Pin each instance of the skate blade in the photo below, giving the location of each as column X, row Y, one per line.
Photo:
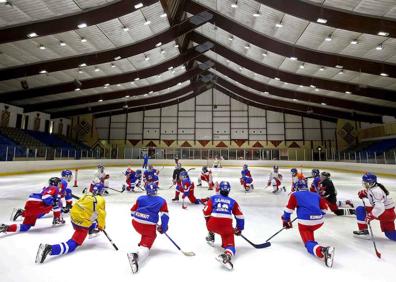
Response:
column 210, row 243
column 14, row 210
column 39, row 253
column 329, row 261
column 362, row 237
column 132, row 263
column 227, row 265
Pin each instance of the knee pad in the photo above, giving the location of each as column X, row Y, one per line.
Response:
column 360, row 213
column 391, row 235
column 72, row 245
column 24, row 227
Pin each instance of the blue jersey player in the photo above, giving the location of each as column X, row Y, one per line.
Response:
column 310, row 211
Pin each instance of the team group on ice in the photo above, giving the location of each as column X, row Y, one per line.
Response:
column 150, row 211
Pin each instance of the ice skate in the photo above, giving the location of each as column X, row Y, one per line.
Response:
column 328, row 253
column 43, row 251
column 133, row 262
column 225, row 260
column 210, row 239
column 3, row 228
column 362, row 234
column 16, row 214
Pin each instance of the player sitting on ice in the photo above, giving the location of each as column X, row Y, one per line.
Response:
column 146, row 213
column 66, row 191
column 206, row 175
column 218, row 215
column 382, row 208
column 150, row 171
column 37, row 206
column 246, row 179
column 315, row 185
column 88, row 216
column 296, row 176
column 310, row 211
column 177, row 180
column 133, row 179
column 275, row 180
column 328, row 192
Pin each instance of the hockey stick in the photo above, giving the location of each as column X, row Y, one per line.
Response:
column 75, row 197
column 111, row 241
column 119, row 191
column 279, row 231
column 188, row 254
column 372, row 235
column 175, row 184
column 257, row 246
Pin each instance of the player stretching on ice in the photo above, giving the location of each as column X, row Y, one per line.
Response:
column 66, row 191
column 382, row 208
column 133, row 179
column 146, row 213
column 246, row 179
column 150, row 171
column 218, row 215
column 206, row 175
column 310, row 211
column 296, row 176
column 275, row 180
column 177, row 181
column 88, row 216
column 100, row 177
column 328, row 192
column 37, row 206
column 187, row 188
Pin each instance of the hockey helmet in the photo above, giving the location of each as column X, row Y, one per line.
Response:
column 54, row 181
column 151, row 189
column 245, row 167
column 294, row 171
column 183, row 175
column 325, row 174
column 315, row 172
column 369, row 180
column 225, row 187
column 301, row 185
column 97, row 189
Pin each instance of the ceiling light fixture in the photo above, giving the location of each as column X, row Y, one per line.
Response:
column 322, row 69
column 83, row 40
column 146, row 58
column 379, row 47
column 100, row 100
column 61, row 43
column 279, row 24
column 158, row 44
column 97, row 69
column 348, row 92
column 83, row 65
column 43, row 71
column 163, row 15
column 42, row 47
column 257, row 14
column 147, row 22
column 384, row 74
column 162, row 51
column 82, row 25
column 383, row 33
column 138, row 6
column 354, row 42
column 125, row 28
column 32, row 35
column 234, row 5
column 293, row 58
column 329, row 38
column 302, row 66
column 321, row 20
column 117, row 58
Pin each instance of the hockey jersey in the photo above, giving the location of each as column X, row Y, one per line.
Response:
column 65, row 191
column 315, row 185
column 88, row 210
column 176, row 174
column 148, row 172
column 48, row 196
column 222, row 207
column 147, row 208
column 187, row 185
column 246, row 173
column 274, row 175
column 310, row 207
column 379, row 200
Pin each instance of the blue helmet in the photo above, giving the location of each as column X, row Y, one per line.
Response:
column 301, row 185
column 315, row 172
column 97, row 189
column 66, row 172
column 151, row 189
column 245, row 167
column 294, row 171
column 138, row 171
column 128, row 171
column 369, row 178
column 225, row 186
column 183, row 174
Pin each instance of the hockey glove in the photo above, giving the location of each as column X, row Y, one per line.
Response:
column 362, row 194
column 237, row 232
column 370, row 217
column 287, row 224
column 162, row 229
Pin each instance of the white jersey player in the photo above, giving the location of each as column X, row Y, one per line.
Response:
column 275, row 180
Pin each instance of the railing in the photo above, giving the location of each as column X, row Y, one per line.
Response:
column 9, row 153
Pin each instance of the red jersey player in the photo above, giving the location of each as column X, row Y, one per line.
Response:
column 206, row 175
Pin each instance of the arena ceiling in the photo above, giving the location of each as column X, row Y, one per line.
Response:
column 325, row 59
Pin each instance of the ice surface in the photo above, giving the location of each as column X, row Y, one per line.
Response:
column 285, row 260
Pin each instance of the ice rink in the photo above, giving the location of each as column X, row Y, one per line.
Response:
column 285, row 260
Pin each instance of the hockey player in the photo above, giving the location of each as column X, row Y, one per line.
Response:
column 382, row 208
column 177, row 180
column 206, row 175
column 328, row 192
column 218, row 215
column 133, row 179
column 88, row 216
column 37, row 206
column 150, row 171
column 315, row 185
column 146, row 213
column 145, row 160
column 187, row 189
column 275, row 180
column 295, row 177
column 246, row 179
column 152, row 179
column 66, row 191
column 310, row 210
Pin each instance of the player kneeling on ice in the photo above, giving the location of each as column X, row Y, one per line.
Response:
column 150, row 171
column 328, row 192
column 187, row 188
column 88, row 216
column 37, row 206
column 246, row 179
column 218, row 215
column 65, row 191
column 315, row 185
column 100, row 177
column 275, row 180
column 133, row 179
column 310, row 211
column 382, row 208
column 296, row 176
column 146, row 213
column 206, row 175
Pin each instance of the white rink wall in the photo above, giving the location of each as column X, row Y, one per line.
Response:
column 22, row 167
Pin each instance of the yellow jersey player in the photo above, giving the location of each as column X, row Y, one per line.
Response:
column 88, row 216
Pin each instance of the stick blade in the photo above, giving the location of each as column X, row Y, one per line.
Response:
column 378, row 254
column 188, row 254
column 262, row 246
